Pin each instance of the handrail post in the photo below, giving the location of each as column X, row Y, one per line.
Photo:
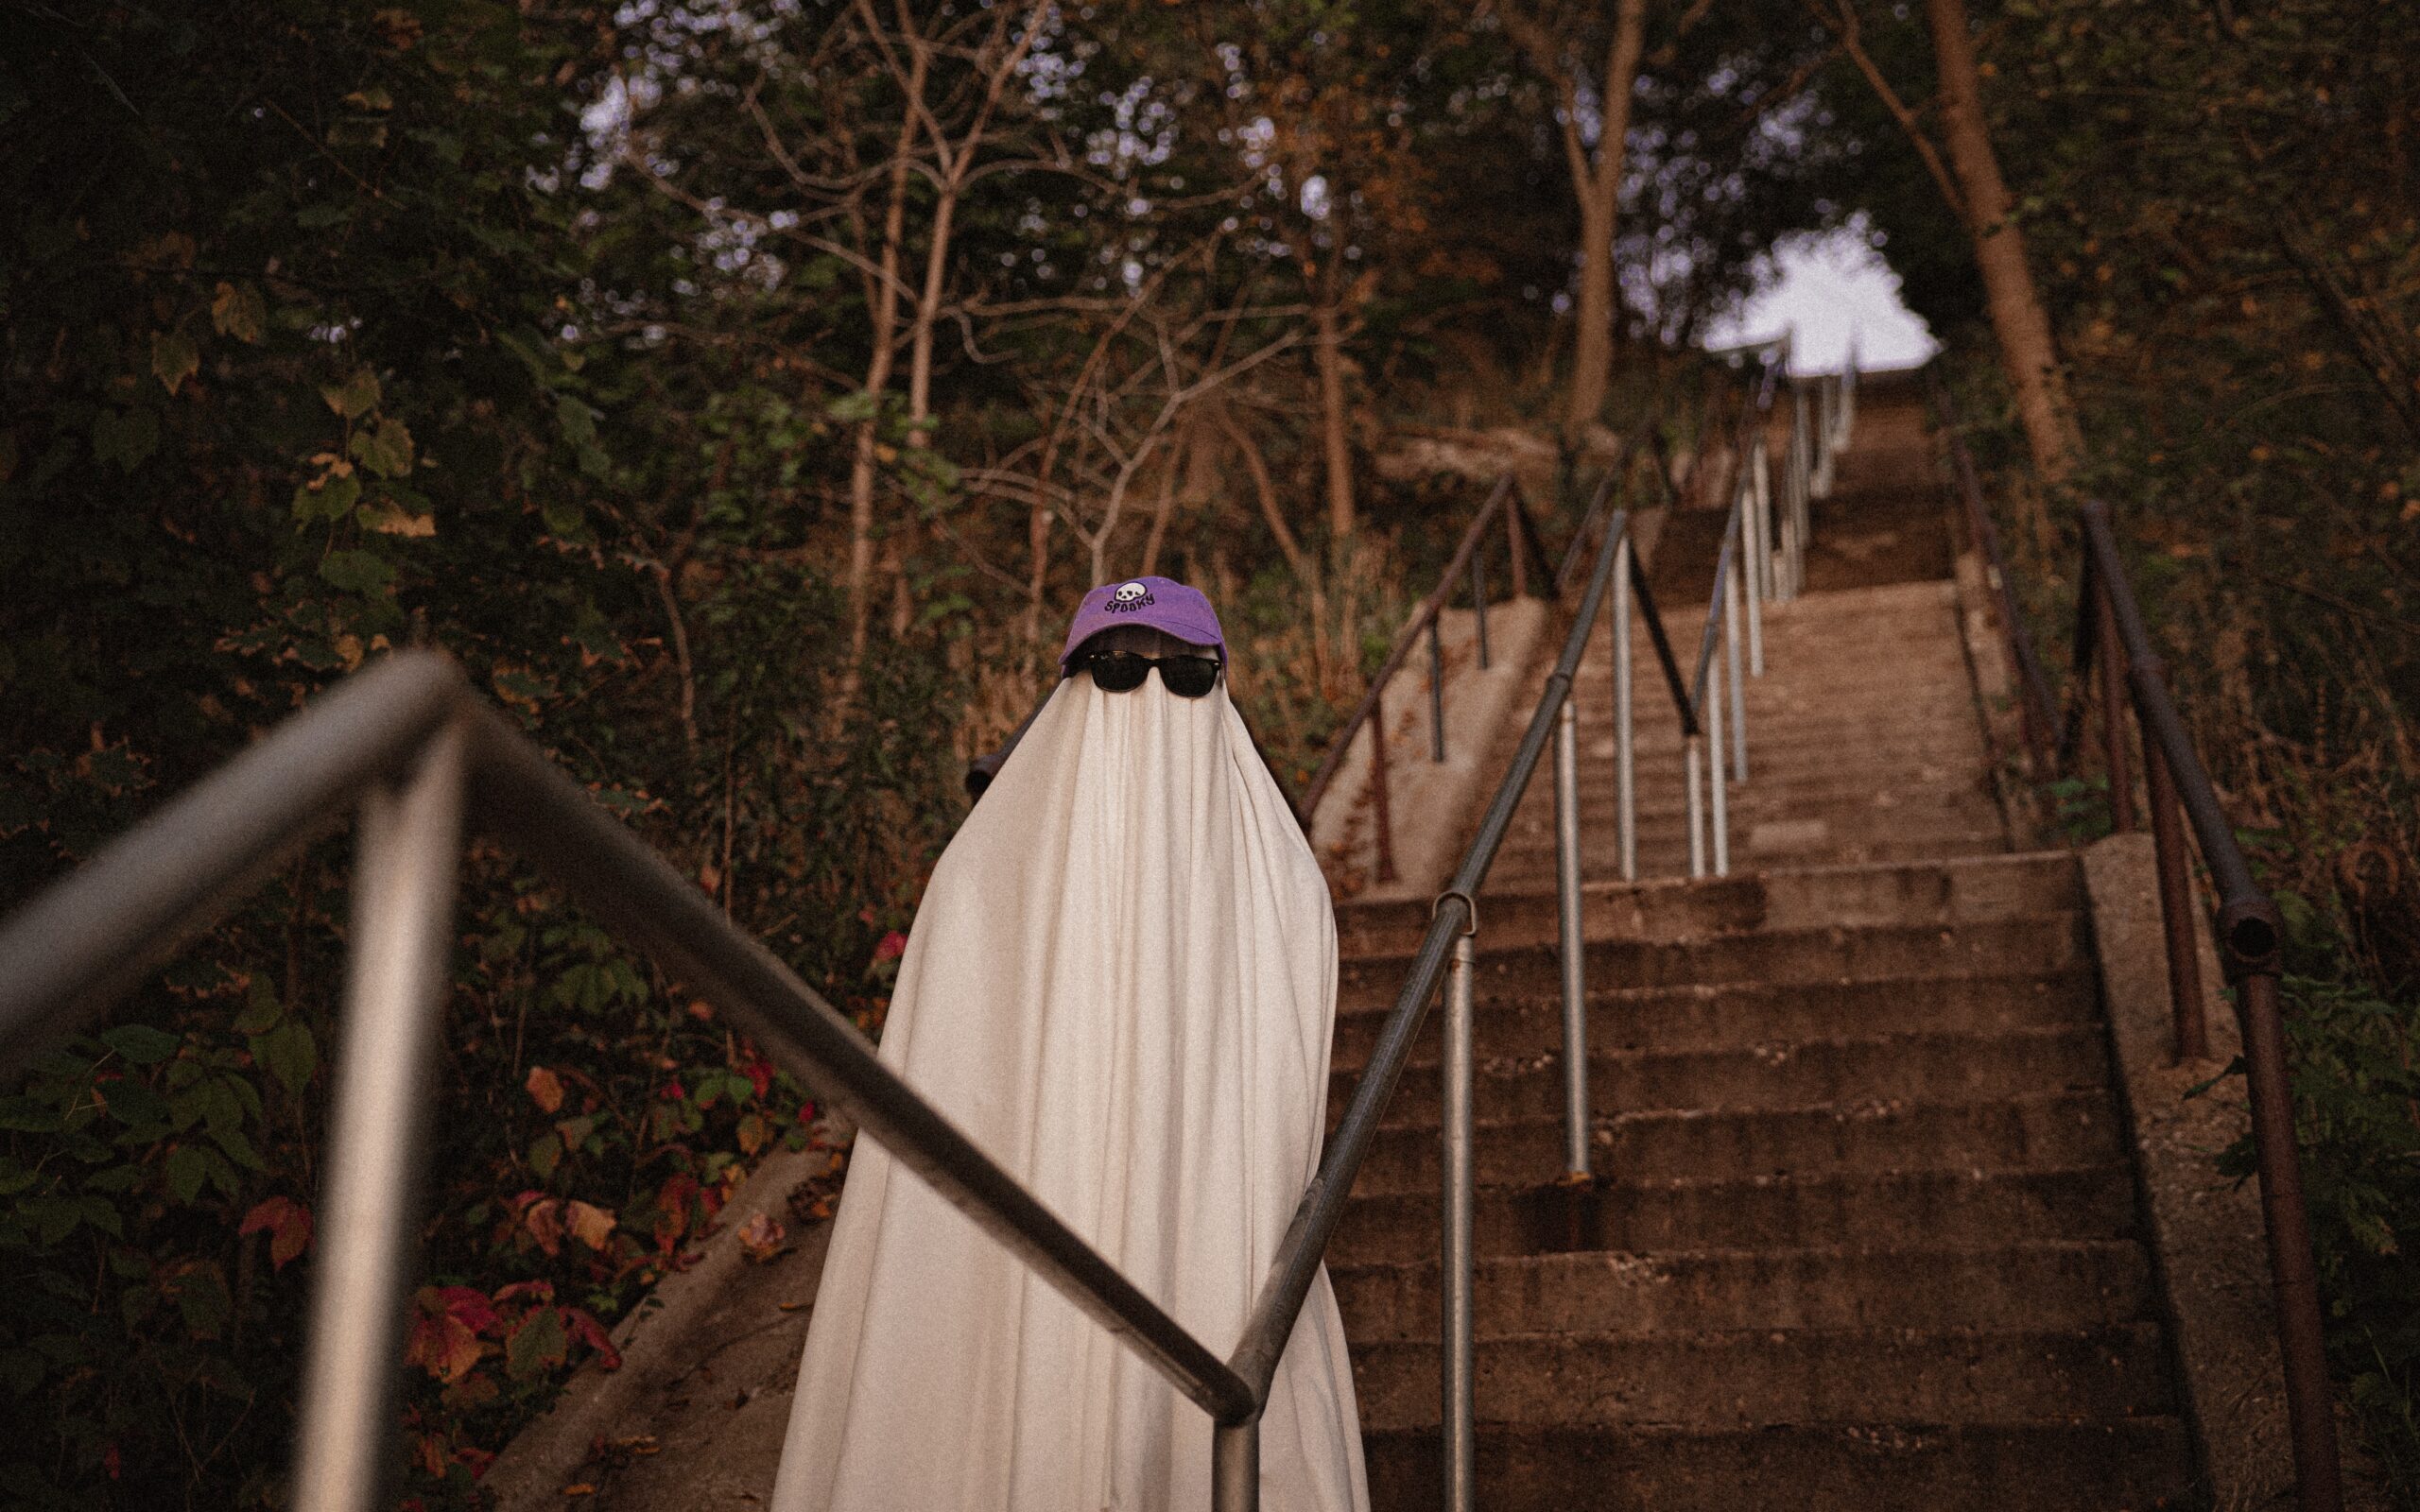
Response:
column 1693, row 762
column 1718, row 819
column 1732, row 587
column 1234, row 1466
column 1435, row 692
column 1625, row 731
column 1479, row 597
column 1513, row 519
column 2113, row 717
column 396, row 981
column 1567, row 897
column 1380, row 818
column 2176, row 898
column 1760, row 565
column 2294, row 1279
column 1457, row 1376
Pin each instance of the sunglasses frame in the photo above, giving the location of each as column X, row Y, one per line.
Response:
column 1151, row 664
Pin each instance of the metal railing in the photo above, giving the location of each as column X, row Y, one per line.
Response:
column 2112, row 637
column 2249, row 929
column 425, row 760
column 1521, row 548
column 424, row 763
column 2034, row 701
column 1762, row 560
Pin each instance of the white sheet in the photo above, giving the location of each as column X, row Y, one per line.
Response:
column 1121, row 984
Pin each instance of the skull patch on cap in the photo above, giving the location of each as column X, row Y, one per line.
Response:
column 1128, row 598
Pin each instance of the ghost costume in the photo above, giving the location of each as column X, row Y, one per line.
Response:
column 1121, row 985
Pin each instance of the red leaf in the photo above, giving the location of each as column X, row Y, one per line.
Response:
column 584, row 1327
column 545, row 1088
column 469, row 1307
column 541, row 1291
column 288, row 1223
column 890, row 948
column 758, row 1070
column 441, row 1343
column 545, row 1221
column 672, row 1199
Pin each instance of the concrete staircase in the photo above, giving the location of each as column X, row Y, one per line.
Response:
column 1864, row 1231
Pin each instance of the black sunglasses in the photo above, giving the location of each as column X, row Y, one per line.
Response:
column 1188, row 676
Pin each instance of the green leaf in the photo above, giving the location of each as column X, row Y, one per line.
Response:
column 288, row 1052
column 202, row 1297
column 354, row 398
column 332, row 500
column 188, row 1168
column 538, row 1344
column 356, row 572
column 565, row 518
column 29, row 1115
column 261, row 1010
column 125, row 437
column 141, row 1043
column 546, row 1153
column 131, row 1102
column 239, row 1149
column 386, row 451
column 173, row 358
column 851, row 409
column 578, row 420
column 321, row 216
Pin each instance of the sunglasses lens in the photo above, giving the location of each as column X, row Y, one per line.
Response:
column 1189, row 677
column 1119, row 671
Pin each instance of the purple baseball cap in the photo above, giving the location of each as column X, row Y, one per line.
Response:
column 1161, row 603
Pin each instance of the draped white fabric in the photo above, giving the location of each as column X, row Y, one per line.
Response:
column 1121, row 985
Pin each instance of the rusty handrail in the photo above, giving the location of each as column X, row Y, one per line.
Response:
column 2034, row 703
column 2249, row 931
column 1497, row 498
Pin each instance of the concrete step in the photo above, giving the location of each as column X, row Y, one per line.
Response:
column 1743, row 1015
column 1982, row 1207
column 1839, row 843
column 1949, row 892
column 2071, row 1285
column 2041, row 943
column 1693, row 1145
column 1850, row 1072
column 1866, row 1466
column 1761, row 828
column 1739, row 1380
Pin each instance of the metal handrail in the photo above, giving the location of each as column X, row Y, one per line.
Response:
column 421, row 753
column 2034, row 704
column 2249, row 932
column 1504, row 496
column 426, row 761
column 2111, row 635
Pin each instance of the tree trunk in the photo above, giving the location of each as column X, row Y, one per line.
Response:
column 1333, row 436
column 1600, row 192
column 2028, row 349
column 884, row 338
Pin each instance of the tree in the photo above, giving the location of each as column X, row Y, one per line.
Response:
column 1972, row 185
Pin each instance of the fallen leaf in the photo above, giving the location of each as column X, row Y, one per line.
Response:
column 761, row 1237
